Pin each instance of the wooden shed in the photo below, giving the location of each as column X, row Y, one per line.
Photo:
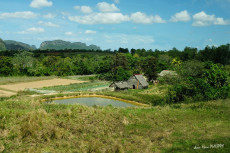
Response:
column 122, row 85
column 137, row 82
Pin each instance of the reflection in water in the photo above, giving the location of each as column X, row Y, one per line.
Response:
column 92, row 101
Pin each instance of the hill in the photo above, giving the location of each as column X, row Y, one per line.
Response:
column 15, row 45
column 60, row 45
column 2, row 45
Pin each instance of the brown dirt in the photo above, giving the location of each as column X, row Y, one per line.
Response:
column 6, row 93
column 35, row 84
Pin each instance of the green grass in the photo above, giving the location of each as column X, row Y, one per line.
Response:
column 16, row 79
column 78, row 87
column 154, row 95
column 28, row 125
column 82, row 77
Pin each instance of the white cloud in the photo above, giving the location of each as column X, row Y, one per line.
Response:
column 22, row 15
column 100, row 18
column 48, row 24
column 69, row 33
column 40, row 3
column 210, row 40
column 133, row 40
column 182, row 16
column 49, row 16
column 142, row 18
column 32, row 30
column 203, row 19
column 117, row 1
column 84, row 9
column 90, row 32
column 106, row 7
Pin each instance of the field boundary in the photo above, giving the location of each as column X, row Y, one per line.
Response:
column 100, row 96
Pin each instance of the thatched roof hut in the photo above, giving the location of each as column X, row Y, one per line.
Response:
column 138, row 82
column 167, row 72
column 122, row 85
column 135, row 82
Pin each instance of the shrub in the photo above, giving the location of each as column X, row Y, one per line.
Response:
column 213, row 85
column 216, row 77
column 167, row 79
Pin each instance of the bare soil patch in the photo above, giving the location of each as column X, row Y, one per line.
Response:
column 37, row 84
column 6, row 93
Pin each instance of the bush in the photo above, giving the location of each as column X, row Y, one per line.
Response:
column 216, row 77
column 177, row 93
column 167, row 79
column 212, row 86
column 192, row 68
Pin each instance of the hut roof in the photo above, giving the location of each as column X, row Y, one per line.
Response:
column 167, row 72
column 121, row 85
column 142, row 80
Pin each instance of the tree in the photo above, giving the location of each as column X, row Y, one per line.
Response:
column 163, row 63
column 189, row 53
column 149, row 67
column 23, row 61
column 123, row 50
column 133, row 51
column 5, row 66
column 64, row 67
column 216, row 77
column 122, row 74
column 192, row 68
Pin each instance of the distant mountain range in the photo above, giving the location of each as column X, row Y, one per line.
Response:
column 2, row 45
column 60, row 44
column 46, row 45
column 15, row 45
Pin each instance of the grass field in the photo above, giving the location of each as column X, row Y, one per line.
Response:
column 78, row 87
column 16, row 79
column 28, row 125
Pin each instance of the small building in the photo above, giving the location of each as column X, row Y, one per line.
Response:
column 138, row 82
column 135, row 82
column 167, row 73
column 122, row 85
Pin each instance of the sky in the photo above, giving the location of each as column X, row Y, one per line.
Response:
column 110, row 24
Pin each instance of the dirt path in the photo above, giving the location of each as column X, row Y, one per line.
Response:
column 35, row 84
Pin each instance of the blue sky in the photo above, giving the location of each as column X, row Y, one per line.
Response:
column 110, row 24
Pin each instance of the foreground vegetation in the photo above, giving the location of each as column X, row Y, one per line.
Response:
column 28, row 125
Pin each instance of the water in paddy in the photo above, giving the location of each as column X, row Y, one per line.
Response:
column 92, row 101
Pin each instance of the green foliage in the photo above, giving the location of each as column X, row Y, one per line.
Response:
column 163, row 63
column 149, row 67
column 216, row 77
column 219, row 54
column 170, row 80
column 191, row 68
column 212, row 85
column 122, row 74
column 6, row 66
column 23, row 61
column 189, row 53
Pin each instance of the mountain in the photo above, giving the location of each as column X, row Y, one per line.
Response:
column 2, row 45
column 15, row 45
column 61, row 45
